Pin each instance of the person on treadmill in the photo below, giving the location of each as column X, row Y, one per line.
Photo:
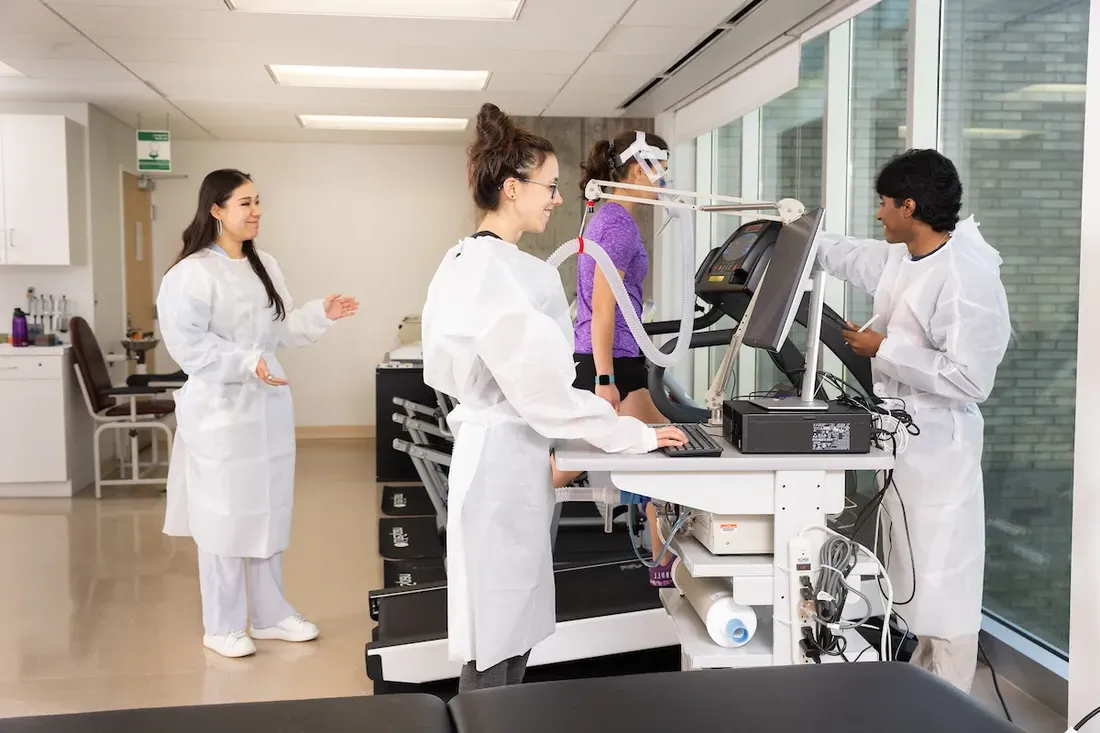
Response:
column 609, row 361
column 497, row 337
column 945, row 329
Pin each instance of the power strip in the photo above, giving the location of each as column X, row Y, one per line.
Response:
column 802, row 568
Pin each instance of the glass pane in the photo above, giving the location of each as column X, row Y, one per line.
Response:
column 1012, row 119
column 878, row 94
column 726, row 168
column 792, row 150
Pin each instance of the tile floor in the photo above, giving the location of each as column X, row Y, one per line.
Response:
column 100, row 610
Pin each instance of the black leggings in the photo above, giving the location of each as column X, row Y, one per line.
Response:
column 508, row 672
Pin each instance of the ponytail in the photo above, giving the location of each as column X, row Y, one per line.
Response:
column 598, row 167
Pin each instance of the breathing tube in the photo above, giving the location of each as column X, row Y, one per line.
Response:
column 611, row 274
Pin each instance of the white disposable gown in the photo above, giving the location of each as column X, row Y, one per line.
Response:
column 231, row 479
column 946, row 322
column 497, row 336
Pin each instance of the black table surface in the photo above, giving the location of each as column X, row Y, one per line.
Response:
column 835, row 698
column 385, row 714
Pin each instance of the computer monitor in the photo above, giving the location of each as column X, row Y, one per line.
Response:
column 780, row 292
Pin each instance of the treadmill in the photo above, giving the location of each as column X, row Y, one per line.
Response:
column 609, row 619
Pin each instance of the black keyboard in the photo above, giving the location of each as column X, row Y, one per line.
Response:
column 699, row 445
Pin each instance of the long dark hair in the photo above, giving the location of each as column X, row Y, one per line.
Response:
column 501, row 151
column 216, row 188
column 601, row 165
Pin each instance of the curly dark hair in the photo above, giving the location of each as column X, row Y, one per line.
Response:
column 931, row 180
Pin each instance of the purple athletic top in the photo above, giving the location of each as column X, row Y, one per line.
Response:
column 613, row 228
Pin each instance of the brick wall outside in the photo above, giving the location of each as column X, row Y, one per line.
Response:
column 1026, row 193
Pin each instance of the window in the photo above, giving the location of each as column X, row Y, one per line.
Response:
column 792, row 149
column 878, row 99
column 1012, row 120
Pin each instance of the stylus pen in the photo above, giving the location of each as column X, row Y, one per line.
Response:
column 868, row 324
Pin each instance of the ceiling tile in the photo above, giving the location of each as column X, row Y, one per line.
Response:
column 682, row 13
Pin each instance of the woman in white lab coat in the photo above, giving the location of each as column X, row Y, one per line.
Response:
column 223, row 308
column 497, row 336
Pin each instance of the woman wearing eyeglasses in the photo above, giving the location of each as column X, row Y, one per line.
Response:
column 497, row 336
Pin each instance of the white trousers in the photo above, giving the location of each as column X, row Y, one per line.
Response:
column 954, row 660
column 225, row 598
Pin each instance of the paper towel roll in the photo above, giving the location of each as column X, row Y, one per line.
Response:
column 729, row 624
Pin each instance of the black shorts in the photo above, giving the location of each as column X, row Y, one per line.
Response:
column 631, row 373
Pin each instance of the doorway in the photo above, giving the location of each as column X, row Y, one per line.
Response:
column 137, row 226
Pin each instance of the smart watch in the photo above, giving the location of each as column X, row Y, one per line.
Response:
column 602, row 380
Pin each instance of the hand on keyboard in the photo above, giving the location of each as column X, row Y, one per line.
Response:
column 670, row 436
column 699, row 444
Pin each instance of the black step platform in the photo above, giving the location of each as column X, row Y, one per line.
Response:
column 411, row 573
column 584, row 592
column 406, row 501
column 408, row 538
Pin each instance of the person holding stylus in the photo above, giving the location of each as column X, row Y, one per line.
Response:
column 941, row 329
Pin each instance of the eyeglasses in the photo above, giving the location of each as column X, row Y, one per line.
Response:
column 552, row 186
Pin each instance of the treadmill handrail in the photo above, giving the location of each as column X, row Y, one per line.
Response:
column 416, row 407
column 417, row 451
column 424, row 427
column 708, row 319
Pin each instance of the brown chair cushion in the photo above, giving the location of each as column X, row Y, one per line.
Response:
column 144, row 407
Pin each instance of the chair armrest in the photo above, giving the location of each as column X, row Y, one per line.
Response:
column 143, row 380
column 133, row 391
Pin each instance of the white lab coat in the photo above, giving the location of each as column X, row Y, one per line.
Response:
column 231, row 479
column 497, row 337
column 946, row 322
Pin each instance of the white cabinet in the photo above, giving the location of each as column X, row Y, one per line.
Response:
column 45, row 434
column 43, row 191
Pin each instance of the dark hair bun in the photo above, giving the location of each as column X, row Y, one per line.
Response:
column 494, row 128
column 501, row 150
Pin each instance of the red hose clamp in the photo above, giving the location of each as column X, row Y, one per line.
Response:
column 581, row 240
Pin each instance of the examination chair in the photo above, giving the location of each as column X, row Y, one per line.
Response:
column 130, row 408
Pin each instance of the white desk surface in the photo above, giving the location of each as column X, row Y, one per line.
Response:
column 9, row 350
column 575, row 455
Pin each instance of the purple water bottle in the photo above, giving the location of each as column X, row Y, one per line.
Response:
column 19, row 328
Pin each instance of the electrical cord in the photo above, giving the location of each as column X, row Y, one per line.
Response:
column 1084, row 720
column 996, row 682
column 632, row 517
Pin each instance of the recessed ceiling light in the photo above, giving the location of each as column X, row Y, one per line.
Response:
column 6, row 70
column 438, row 9
column 366, row 78
column 383, row 124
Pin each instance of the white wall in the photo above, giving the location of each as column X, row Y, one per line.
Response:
column 112, row 148
column 368, row 221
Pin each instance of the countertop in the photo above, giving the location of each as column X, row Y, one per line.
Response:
column 9, row 350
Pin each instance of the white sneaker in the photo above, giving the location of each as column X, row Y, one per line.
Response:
column 293, row 628
column 234, row 645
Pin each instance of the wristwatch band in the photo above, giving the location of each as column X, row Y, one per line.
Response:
column 602, row 380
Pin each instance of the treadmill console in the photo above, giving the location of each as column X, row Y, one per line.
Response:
column 738, row 264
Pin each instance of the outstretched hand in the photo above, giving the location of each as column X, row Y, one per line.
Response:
column 338, row 306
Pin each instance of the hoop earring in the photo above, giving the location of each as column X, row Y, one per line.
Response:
column 219, row 226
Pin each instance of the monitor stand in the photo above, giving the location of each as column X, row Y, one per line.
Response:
column 805, row 402
column 789, row 404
